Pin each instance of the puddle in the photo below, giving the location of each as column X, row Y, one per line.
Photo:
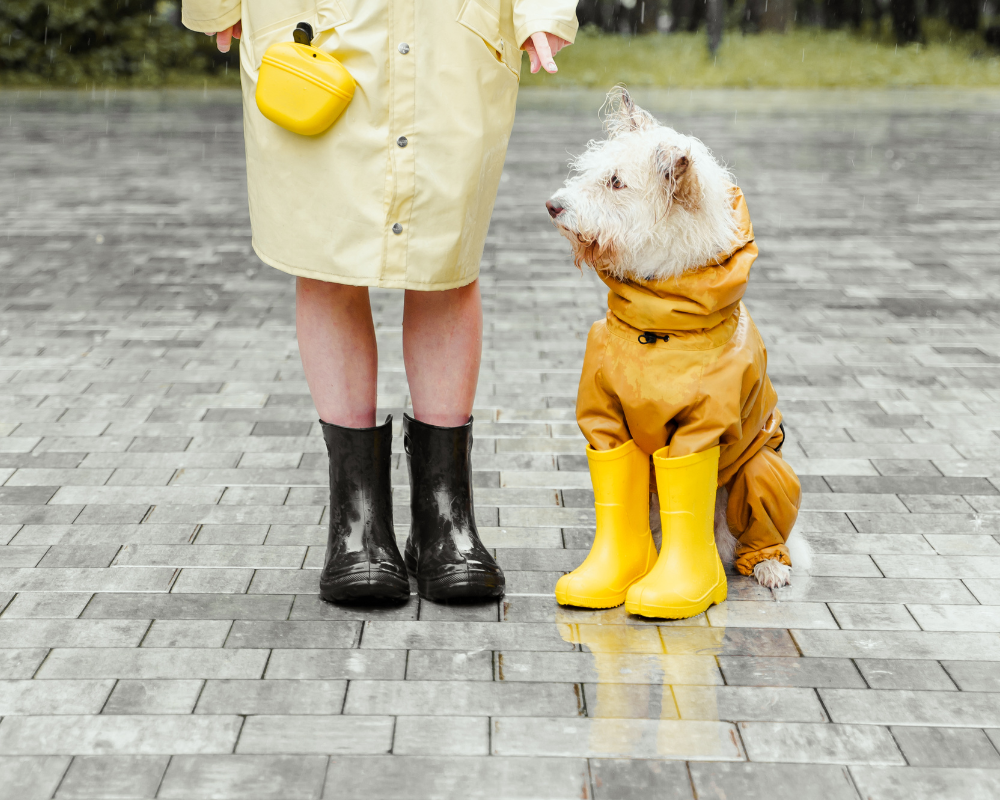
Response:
column 635, row 664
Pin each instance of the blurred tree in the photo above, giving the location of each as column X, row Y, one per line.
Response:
column 76, row 42
column 905, row 20
column 620, row 16
column 964, row 14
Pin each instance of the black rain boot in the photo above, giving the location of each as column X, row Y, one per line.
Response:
column 444, row 550
column 362, row 559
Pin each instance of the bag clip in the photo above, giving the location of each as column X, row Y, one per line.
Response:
column 303, row 33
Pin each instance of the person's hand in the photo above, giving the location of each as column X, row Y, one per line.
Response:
column 223, row 39
column 542, row 48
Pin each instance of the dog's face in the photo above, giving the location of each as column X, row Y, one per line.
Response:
column 643, row 200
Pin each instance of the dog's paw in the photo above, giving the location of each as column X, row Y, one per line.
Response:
column 772, row 573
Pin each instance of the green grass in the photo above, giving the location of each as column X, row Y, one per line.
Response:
column 800, row 59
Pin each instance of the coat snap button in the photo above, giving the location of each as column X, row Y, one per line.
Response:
column 402, row 141
column 397, row 228
column 404, row 48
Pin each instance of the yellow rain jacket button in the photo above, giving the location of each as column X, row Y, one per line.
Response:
column 402, row 141
column 403, row 48
column 397, row 228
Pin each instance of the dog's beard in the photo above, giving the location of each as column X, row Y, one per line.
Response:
column 592, row 252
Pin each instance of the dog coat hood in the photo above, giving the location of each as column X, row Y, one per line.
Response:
column 694, row 300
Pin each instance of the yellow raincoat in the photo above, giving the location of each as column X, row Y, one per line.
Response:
column 419, row 150
column 705, row 385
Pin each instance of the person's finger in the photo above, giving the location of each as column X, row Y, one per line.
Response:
column 556, row 43
column 212, row 33
column 541, row 42
column 533, row 61
column 238, row 30
column 224, row 39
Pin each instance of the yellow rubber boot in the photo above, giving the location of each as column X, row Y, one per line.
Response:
column 688, row 576
column 623, row 549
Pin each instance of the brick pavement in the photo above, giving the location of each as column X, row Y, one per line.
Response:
column 162, row 499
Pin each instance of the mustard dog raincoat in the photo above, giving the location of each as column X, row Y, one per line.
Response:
column 679, row 363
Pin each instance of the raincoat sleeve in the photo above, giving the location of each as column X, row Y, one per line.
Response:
column 557, row 17
column 210, row 16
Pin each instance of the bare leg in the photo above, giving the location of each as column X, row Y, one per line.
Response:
column 339, row 355
column 442, row 348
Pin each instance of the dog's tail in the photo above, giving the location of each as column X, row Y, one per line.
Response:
column 725, row 542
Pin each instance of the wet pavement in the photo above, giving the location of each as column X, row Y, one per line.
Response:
column 162, row 499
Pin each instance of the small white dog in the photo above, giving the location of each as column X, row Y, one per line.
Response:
column 679, row 361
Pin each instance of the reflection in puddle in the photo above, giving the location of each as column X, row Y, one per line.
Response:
column 635, row 665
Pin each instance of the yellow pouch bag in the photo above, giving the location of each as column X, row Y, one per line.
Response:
column 300, row 88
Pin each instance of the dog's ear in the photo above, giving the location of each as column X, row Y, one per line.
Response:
column 622, row 115
column 679, row 177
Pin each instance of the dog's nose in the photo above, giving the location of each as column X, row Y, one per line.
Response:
column 554, row 209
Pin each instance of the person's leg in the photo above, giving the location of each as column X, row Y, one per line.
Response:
column 337, row 344
column 339, row 355
column 442, row 348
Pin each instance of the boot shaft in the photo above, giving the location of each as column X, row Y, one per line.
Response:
column 360, row 468
column 439, row 461
column 686, row 487
column 620, row 478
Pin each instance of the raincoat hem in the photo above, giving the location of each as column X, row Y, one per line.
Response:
column 374, row 282
column 557, row 27
column 211, row 24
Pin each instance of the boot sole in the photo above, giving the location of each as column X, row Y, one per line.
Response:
column 717, row 596
column 470, row 586
column 566, row 599
column 365, row 586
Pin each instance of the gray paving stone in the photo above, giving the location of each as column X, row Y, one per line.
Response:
column 313, row 734
column 804, row 672
column 973, row 676
column 888, row 707
column 235, row 777
column 443, row 778
column 331, row 664
column 299, row 633
column 884, row 673
column 153, row 663
column 797, row 742
column 925, row 783
column 27, row 697
column 16, row 663
column 462, row 698
column 153, row 697
column 95, row 777
column 771, row 781
column 71, row 632
column 272, row 697
column 455, row 736
column 947, row 747
column 449, row 665
column 634, row 779
column 42, row 605
column 615, row 738
column 118, row 735
column 188, row 606
column 30, row 777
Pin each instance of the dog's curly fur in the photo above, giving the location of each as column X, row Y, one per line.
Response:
column 647, row 201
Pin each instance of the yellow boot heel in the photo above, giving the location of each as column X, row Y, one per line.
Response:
column 688, row 576
column 623, row 549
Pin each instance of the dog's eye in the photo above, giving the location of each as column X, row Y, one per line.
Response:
column 616, row 182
